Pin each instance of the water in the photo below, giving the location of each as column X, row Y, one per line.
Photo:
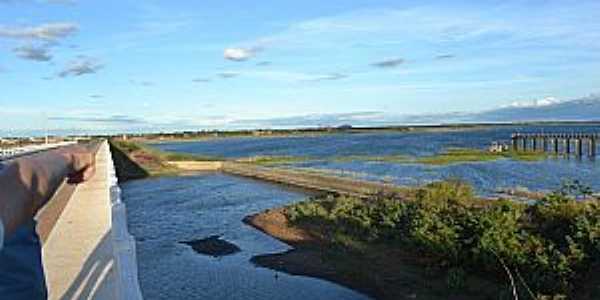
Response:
column 486, row 177
column 164, row 211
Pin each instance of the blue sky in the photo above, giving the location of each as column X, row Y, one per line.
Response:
column 107, row 66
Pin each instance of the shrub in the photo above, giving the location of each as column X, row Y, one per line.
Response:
column 554, row 241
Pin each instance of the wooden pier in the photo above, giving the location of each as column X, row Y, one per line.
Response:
column 558, row 143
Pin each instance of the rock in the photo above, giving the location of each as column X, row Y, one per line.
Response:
column 213, row 246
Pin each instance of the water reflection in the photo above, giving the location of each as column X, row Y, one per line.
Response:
column 164, row 211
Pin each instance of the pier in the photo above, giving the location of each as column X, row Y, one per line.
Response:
column 578, row 144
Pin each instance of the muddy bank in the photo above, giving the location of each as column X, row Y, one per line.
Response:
column 380, row 271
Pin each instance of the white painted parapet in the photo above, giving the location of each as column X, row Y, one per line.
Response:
column 8, row 153
column 123, row 243
column 89, row 254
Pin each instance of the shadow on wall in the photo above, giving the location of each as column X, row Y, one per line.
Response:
column 92, row 279
column 126, row 168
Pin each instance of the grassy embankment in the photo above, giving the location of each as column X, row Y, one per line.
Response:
column 134, row 160
column 441, row 242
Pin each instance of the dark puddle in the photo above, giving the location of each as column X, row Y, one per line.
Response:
column 213, row 246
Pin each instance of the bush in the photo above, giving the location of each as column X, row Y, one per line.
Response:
column 554, row 241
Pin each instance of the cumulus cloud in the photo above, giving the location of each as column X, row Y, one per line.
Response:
column 45, row 32
column 33, row 53
column 388, row 63
column 240, row 54
column 81, row 66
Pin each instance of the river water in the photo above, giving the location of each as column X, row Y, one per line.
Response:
column 162, row 212
column 165, row 211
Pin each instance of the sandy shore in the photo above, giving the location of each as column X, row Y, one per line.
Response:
column 381, row 271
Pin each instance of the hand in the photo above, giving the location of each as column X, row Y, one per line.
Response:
column 82, row 163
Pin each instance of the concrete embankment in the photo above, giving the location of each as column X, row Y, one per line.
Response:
column 301, row 178
column 198, row 166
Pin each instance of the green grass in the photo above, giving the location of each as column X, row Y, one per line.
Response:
column 459, row 155
column 450, row 156
column 274, row 160
column 368, row 158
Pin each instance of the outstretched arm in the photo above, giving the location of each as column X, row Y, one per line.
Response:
column 27, row 183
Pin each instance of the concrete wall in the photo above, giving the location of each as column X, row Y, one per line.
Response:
column 88, row 253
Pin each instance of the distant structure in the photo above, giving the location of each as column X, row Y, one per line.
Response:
column 498, row 147
column 567, row 143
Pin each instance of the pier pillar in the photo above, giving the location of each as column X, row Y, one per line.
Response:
column 579, row 145
column 524, row 142
column 592, row 150
column 568, row 146
column 544, row 144
column 556, row 145
column 535, row 144
column 515, row 145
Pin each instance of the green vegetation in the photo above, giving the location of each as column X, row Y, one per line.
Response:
column 387, row 158
column 555, row 242
column 458, row 155
column 450, row 156
column 274, row 160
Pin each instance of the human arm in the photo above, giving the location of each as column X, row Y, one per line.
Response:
column 28, row 183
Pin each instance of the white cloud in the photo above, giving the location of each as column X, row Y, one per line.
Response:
column 81, row 66
column 239, row 54
column 328, row 77
column 535, row 103
column 44, row 32
column 388, row 63
column 229, row 74
column 33, row 53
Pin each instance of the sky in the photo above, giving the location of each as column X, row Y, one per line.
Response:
column 110, row 66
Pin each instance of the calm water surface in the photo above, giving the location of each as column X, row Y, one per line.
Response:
column 486, row 177
column 164, row 211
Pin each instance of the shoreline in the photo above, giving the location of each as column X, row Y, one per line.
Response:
column 380, row 272
column 312, row 132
